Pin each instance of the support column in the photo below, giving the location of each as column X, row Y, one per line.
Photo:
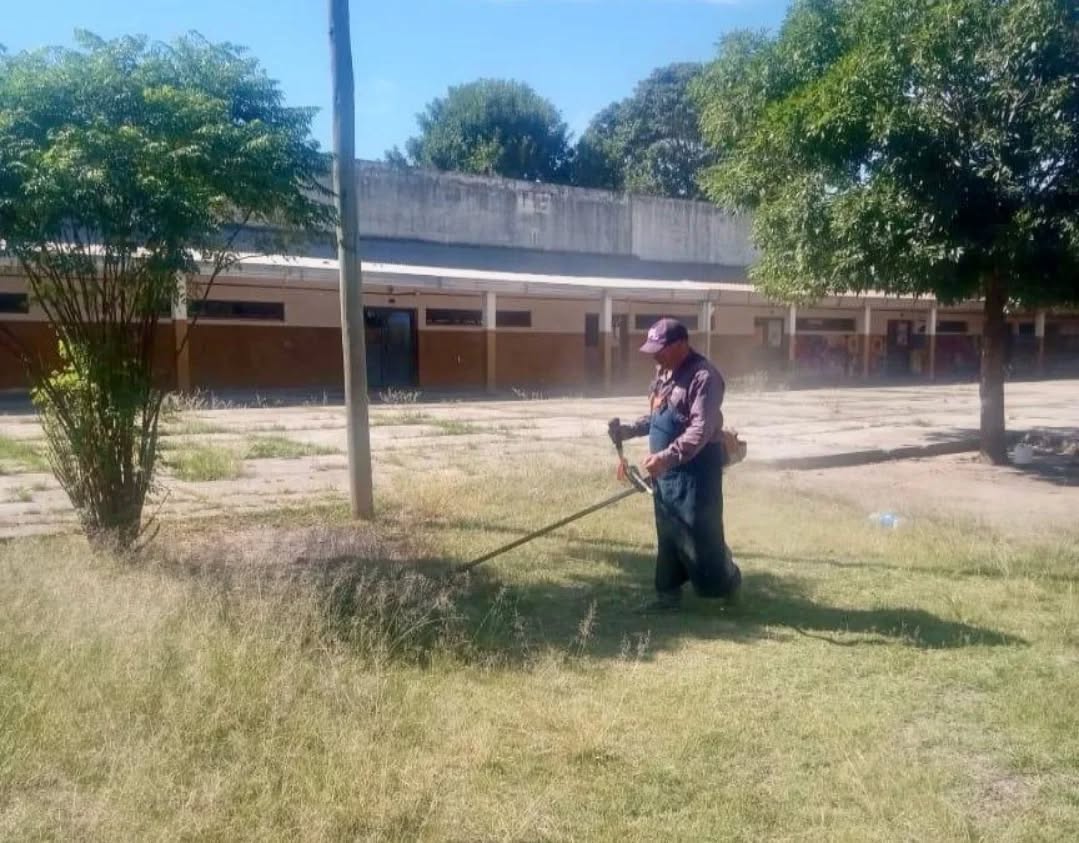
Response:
column 606, row 342
column 792, row 334
column 933, row 343
column 182, row 347
column 705, row 320
column 1039, row 332
column 867, row 333
column 490, row 321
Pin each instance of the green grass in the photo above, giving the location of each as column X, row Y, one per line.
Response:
column 873, row 685
column 281, row 447
column 448, row 427
column 194, row 427
column 18, row 456
column 400, row 419
column 452, row 427
column 203, row 463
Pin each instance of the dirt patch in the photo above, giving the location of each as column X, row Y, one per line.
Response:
column 1011, row 501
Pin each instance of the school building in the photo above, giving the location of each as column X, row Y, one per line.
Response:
column 477, row 283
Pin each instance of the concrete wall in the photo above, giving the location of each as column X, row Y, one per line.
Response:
column 695, row 232
column 472, row 210
column 453, row 208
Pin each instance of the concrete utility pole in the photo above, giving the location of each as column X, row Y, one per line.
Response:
column 348, row 255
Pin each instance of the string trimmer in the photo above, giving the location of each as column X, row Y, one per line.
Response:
column 638, row 485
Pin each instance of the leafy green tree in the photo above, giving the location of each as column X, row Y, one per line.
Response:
column 910, row 146
column 649, row 143
column 124, row 165
column 491, row 127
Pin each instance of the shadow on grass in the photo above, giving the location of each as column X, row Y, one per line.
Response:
column 595, row 616
column 768, row 606
column 395, row 601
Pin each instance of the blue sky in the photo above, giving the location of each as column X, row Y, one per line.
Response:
column 581, row 54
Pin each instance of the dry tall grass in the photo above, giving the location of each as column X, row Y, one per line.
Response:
column 297, row 678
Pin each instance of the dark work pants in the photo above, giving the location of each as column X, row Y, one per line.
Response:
column 688, row 505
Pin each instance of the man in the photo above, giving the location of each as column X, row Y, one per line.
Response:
column 686, row 459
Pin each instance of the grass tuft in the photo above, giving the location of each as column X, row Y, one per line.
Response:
column 18, row 456
column 452, row 427
column 401, row 419
column 204, row 463
column 281, row 447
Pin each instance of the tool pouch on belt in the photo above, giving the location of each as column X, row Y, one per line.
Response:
column 734, row 449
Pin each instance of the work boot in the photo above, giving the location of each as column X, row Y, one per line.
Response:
column 734, row 590
column 664, row 602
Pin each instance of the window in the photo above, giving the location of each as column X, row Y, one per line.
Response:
column 514, row 319
column 1026, row 329
column 14, row 303
column 947, row 327
column 837, row 326
column 451, row 316
column 644, row 321
column 263, row 311
column 474, row 318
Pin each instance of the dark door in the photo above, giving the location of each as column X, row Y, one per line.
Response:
column 593, row 354
column 900, row 345
column 391, row 347
column 771, row 343
column 620, row 363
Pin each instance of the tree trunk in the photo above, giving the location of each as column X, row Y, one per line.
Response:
column 994, row 445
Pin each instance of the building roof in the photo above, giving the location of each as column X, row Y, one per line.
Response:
column 454, row 279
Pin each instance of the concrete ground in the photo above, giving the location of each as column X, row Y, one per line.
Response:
column 779, row 427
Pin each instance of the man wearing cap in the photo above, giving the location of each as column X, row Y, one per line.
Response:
column 686, row 459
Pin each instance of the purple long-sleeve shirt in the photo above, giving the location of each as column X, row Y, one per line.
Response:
column 695, row 392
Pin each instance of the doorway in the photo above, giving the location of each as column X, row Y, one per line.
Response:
column 899, row 347
column 593, row 348
column 620, row 348
column 391, row 344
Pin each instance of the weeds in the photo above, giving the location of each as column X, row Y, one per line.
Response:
column 407, row 417
column 192, row 401
column 452, row 427
column 402, row 615
column 194, row 427
column 19, row 456
column 283, row 448
column 203, row 464
column 529, row 394
column 393, row 395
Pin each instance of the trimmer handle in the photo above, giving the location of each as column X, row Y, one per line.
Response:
column 631, row 472
column 614, row 430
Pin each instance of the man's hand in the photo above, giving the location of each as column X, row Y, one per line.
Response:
column 614, row 430
column 655, row 465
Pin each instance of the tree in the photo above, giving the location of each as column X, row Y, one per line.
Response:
column 125, row 167
column 491, row 127
column 909, row 146
column 649, row 143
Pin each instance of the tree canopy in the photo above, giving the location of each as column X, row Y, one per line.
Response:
column 908, row 146
column 123, row 164
column 491, row 127
column 649, row 143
